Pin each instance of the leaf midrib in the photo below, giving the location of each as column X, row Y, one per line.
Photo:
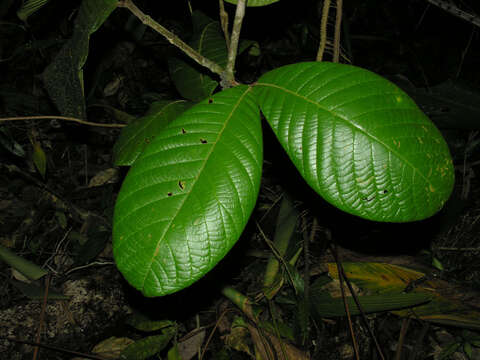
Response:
column 200, row 171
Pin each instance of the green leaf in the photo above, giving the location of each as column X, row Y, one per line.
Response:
column 358, row 140
column 467, row 349
column 187, row 198
column 35, row 292
column 142, row 323
column 284, row 230
column 63, row 78
column 149, row 346
column 251, row 3
column 39, row 158
column 326, row 306
column 173, row 353
column 192, row 81
column 140, row 132
column 453, row 347
column 27, row 268
column 30, row 7
column 8, row 142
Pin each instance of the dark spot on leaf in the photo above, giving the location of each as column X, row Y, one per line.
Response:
column 210, row 100
column 183, row 131
column 169, row 194
column 147, row 140
column 203, row 141
column 368, row 199
column 385, row 191
column 181, row 184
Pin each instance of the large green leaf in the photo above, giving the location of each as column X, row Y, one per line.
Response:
column 358, row 140
column 187, row 198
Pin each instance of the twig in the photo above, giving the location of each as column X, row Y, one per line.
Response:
column 341, row 273
column 54, row 348
column 401, row 338
column 341, row 278
column 58, row 249
column 338, row 27
column 442, row 248
column 95, row 263
column 201, row 353
column 323, row 30
column 42, row 318
column 464, row 53
column 233, row 47
column 276, row 253
column 75, row 210
column 171, row 37
column 455, row 11
column 306, row 271
column 224, row 22
column 419, row 341
column 66, row 118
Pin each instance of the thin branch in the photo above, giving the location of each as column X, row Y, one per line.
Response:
column 66, row 118
column 464, row 53
column 79, row 214
column 341, row 279
column 448, row 6
column 202, row 354
column 171, row 37
column 341, row 274
column 472, row 249
column 401, row 338
column 323, row 30
column 233, row 48
column 224, row 22
column 338, row 27
column 41, row 320
column 54, row 348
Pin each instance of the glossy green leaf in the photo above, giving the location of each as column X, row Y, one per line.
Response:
column 187, row 198
column 251, row 3
column 140, row 132
column 358, row 140
column 191, row 80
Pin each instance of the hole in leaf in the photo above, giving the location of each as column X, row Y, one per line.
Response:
column 210, row 100
column 385, row 191
column 203, row 141
column 169, row 194
column 181, row 184
column 183, row 131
